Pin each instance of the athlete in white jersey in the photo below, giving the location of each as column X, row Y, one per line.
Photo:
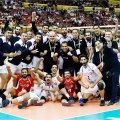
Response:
column 94, row 81
column 47, row 93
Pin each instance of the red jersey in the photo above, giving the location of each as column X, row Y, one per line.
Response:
column 70, row 86
column 24, row 83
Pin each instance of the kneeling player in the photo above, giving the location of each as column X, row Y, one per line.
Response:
column 69, row 84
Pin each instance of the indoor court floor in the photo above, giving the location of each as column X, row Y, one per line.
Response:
column 55, row 111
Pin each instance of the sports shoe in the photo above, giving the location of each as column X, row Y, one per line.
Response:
column 24, row 104
column 71, row 101
column 110, row 103
column 102, row 102
column 81, row 101
column 5, row 103
column 36, row 103
column 66, row 104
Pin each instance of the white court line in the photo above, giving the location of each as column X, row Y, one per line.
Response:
column 113, row 118
column 90, row 114
column 15, row 115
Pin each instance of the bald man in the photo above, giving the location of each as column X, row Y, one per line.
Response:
column 51, row 46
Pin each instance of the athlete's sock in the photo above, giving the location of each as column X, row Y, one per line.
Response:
column 67, row 95
column 102, row 98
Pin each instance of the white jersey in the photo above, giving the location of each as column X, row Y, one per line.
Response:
column 38, row 90
column 89, row 72
column 55, row 82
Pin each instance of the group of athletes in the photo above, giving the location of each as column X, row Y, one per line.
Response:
column 47, row 66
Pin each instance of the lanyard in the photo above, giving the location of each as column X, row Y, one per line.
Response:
column 51, row 47
column 79, row 43
column 95, row 38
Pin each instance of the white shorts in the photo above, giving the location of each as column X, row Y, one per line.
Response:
column 24, row 65
column 34, row 62
column 33, row 96
column 46, row 94
column 92, row 90
column 89, row 90
column 14, row 68
column 3, row 69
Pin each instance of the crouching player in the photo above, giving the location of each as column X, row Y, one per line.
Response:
column 69, row 84
column 25, row 82
column 47, row 93
column 93, row 82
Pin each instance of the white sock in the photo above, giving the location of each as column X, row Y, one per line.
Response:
column 67, row 95
column 102, row 98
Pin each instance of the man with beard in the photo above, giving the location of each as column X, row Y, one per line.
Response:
column 64, row 35
column 94, row 81
column 25, row 83
column 79, row 46
column 88, row 40
column 45, row 30
column 65, row 38
column 69, row 84
column 69, row 57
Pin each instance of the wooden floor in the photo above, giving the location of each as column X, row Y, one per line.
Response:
column 55, row 111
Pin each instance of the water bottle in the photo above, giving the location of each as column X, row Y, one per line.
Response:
column 1, row 102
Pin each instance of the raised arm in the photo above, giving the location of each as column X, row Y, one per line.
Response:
column 34, row 28
column 10, row 72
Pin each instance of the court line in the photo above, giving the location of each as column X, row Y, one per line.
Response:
column 15, row 116
column 90, row 114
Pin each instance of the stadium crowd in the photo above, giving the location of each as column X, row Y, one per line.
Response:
column 51, row 65
column 48, row 15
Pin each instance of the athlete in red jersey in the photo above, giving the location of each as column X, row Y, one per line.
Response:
column 70, row 84
column 25, row 83
column 69, row 89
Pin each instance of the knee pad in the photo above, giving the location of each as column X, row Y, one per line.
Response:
column 78, row 85
column 60, row 86
column 43, row 98
column 14, row 96
column 100, row 86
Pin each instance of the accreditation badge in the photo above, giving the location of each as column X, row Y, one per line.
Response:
column 78, row 51
column 52, row 53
